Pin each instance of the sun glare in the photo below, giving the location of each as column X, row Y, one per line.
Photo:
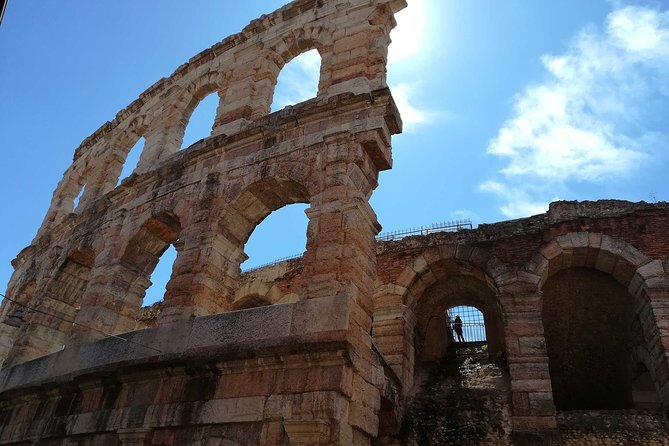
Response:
column 409, row 34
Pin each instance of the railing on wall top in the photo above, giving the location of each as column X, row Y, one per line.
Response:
column 447, row 226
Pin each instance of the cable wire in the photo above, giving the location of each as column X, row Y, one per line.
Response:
column 109, row 335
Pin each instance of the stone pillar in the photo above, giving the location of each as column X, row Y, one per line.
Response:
column 341, row 249
column 204, row 277
column 532, row 404
column 111, row 303
column 340, row 261
column 248, row 92
column 393, row 334
column 653, row 310
column 368, row 40
column 161, row 142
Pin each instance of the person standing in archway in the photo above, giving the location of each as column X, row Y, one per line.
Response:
column 457, row 328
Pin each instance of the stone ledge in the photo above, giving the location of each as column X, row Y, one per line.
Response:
column 300, row 326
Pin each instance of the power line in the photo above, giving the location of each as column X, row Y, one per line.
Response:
column 37, row 310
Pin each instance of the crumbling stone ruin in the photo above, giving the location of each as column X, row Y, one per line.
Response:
column 334, row 347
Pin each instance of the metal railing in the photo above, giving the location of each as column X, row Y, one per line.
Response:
column 471, row 332
column 273, row 262
column 447, row 226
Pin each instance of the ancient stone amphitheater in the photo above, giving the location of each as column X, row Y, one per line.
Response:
column 341, row 345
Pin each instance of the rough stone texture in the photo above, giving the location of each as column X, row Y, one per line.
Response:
column 303, row 372
column 609, row 244
column 613, row 428
column 325, row 349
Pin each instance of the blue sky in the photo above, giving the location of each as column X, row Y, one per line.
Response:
column 507, row 105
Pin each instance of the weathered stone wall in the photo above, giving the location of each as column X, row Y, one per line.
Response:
column 89, row 266
column 354, row 322
column 503, row 270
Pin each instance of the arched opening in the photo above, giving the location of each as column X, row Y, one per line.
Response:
column 251, row 301
column 457, row 384
column 591, row 329
column 160, row 276
column 49, row 330
column 76, row 200
column 249, row 210
column 464, row 296
column 281, row 235
column 466, row 324
column 198, row 120
column 142, row 255
column 152, row 303
column 131, row 160
column 297, row 81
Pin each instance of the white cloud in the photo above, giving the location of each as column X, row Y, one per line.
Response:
column 518, row 201
column 412, row 115
column 589, row 120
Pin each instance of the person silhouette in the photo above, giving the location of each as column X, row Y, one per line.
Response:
column 457, row 328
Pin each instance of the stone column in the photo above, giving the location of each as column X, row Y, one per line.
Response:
column 341, row 249
column 160, row 142
column 111, row 303
column 653, row 310
column 204, row 277
column 248, row 92
column 532, row 404
column 393, row 334
column 340, row 262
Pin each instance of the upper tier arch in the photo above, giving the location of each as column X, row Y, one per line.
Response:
column 242, row 69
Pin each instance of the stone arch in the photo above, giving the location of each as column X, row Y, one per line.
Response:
column 143, row 250
column 250, row 207
column 398, row 310
column 255, row 294
column 257, row 200
column 638, row 274
column 13, row 316
column 118, row 284
column 58, row 300
column 280, row 52
column 73, row 186
column 439, row 261
column 206, row 273
column 121, row 141
column 170, row 128
column 451, row 291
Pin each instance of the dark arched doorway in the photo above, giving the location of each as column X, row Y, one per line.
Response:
column 591, row 330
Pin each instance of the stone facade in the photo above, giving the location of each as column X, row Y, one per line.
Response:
column 596, row 271
column 325, row 349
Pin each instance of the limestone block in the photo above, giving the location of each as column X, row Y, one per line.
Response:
column 307, row 431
